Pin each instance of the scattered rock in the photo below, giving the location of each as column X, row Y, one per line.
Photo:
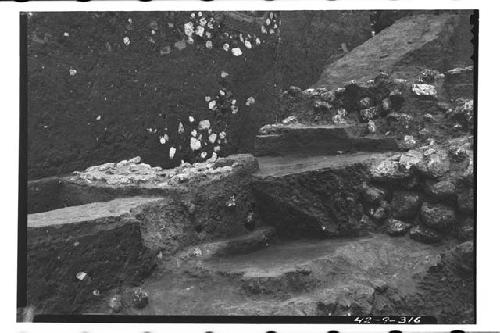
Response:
column 389, row 170
column 436, row 163
column 372, row 128
column 322, row 106
column 422, row 89
column 466, row 230
column 444, row 190
column 380, row 213
column 368, row 114
column 409, row 141
column 290, row 120
column 366, row 225
column 411, row 159
column 328, row 96
column 373, row 195
column 405, row 204
column 424, row 235
column 459, row 150
column 437, row 216
column 140, row 298
column 429, row 118
column 366, row 102
column 397, row 228
column 463, row 112
column 386, row 104
column 115, row 303
column 402, row 119
column 294, row 91
column 463, row 256
column 430, row 76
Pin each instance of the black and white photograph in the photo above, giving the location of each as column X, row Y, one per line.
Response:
column 269, row 164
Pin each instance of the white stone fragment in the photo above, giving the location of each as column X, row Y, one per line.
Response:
column 195, row 144
column 211, row 105
column 424, row 90
column 250, row 101
column 212, row 137
column 204, row 124
column 236, row 51
column 172, row 152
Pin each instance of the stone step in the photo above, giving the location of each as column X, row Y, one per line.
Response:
column 100, row 182
column 318, row 140
column 338, row 277
column 76, row 252
column 317, row 196
column 279, row 166
column 253, row 241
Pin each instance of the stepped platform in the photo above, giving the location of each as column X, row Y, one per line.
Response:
column 305, row 277
column 320, row 140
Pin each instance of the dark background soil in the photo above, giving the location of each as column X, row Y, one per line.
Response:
column 133, row 88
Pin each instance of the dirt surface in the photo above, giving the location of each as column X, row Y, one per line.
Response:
column 292, row 278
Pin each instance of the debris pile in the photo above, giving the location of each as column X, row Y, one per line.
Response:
column 387, row 106
column 133, row 172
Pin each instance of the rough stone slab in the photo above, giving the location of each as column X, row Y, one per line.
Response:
column 413, row 40
column 318, row 140
column 278, row 166
column 92, row 212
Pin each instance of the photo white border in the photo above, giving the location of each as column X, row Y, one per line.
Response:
column 488, row 289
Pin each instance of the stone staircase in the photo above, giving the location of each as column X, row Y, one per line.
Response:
column 297, row 230
column 320, row 140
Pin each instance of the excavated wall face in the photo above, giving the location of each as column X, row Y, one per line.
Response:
column 108, row 86
column 71, row 261
column 116, row 238
column 103, row 87
column 319, row 203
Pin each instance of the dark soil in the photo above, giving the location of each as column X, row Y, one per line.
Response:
column 133, row 88
column 110, row 258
